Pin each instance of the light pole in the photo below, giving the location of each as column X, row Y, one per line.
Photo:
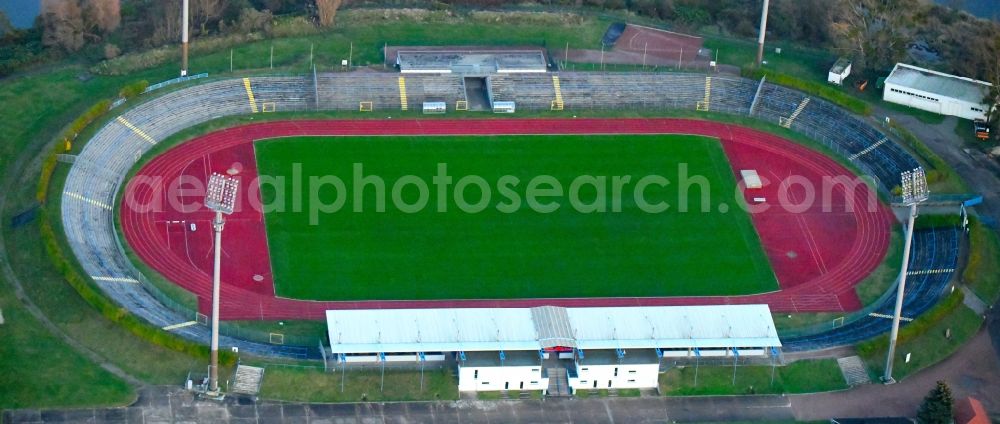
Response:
column 914, row 185
column 760, row 37
column 221, row 198
column 184, row 39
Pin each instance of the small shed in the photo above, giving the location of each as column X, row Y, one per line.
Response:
column 839, row 71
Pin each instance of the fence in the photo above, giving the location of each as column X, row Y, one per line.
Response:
column 177, row 80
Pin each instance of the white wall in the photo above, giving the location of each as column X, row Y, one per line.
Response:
column 932, row 102
column 492, row 378
column 392, row 357
column 619, row 376
column 838, row 79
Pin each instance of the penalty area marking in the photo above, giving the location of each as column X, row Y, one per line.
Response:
column 1, row 317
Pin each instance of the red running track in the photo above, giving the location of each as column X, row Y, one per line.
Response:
column 817, row 255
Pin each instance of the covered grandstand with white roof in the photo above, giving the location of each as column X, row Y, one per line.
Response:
column 520, row 348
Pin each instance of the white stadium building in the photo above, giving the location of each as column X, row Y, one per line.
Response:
column 544, row 347
column 937, row 92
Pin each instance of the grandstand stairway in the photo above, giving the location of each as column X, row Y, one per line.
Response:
column 706, row 103
column 402, row 94
column 557, row 104
column 798, row 111
column 250, row 98
column 558, row 382
column 854, row 370
column 247, row 380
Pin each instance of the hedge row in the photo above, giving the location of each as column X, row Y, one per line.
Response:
column 916, row 328
column 829, row 93
column 116, row 313
column 67, row 138
column 65, row 267
column 134, row 89
column 48, row 167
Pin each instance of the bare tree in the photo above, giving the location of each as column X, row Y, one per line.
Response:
column 105, row 15
column 205, row 11
column 327, row 11
column 166, row 21
column 992, row 99
column 874, row 32
column 62, row 24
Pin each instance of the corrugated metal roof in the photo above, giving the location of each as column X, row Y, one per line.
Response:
column 673, row 327
column 552, row 326
column 966, row 89
column 493, row 329
column 431, row 330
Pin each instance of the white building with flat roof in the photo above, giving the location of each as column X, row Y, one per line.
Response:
column 937, row 92
column 520, row 348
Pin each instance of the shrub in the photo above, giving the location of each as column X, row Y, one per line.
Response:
column 48, row 167
column 111, row 51
column 67, row 138
column 134, row 89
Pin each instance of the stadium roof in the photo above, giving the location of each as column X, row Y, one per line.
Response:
column 431, row 330
column 673, row 327
column 966, row 89
column 512, row 329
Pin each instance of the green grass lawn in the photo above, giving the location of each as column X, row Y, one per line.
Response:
column 313, row 385
column 521, row 254
column 806, row 376
column 982, row 271
column 926, row 349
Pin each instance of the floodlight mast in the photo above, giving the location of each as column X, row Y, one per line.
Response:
column 184, row 38
column 914, row 184
column 221, row 198
column 763, row 31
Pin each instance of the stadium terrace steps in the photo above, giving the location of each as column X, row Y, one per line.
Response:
column 247, row 380
column 343, row 91
column 109, row 155
column 933, row 249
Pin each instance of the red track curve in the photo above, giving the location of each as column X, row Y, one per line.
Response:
column 818, row 265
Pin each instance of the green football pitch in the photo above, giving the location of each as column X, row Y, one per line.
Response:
column 498, row 238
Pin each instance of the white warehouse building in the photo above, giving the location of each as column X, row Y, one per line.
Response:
column 937, row 92
column 548, row 347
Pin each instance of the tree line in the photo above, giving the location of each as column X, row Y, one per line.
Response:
column 875, row 33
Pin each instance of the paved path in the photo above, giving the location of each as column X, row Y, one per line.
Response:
column 167, row 405
column 974, row 371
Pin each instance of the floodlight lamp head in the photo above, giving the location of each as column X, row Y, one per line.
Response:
column 221, row 195
column 914, row 184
